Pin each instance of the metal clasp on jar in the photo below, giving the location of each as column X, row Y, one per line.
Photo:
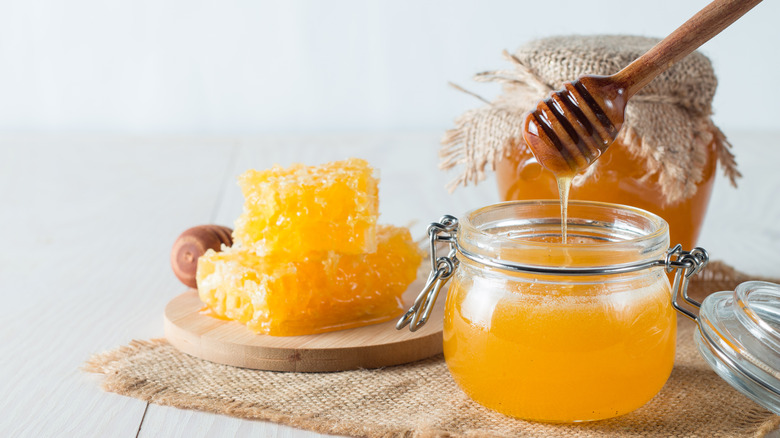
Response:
column 686, row 264
column 442, row 269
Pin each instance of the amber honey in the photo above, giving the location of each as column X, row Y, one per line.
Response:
column 562, row 346
column 562, row 353
column 620, row 178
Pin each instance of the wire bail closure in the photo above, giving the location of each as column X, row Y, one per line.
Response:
column 686, row 264
column 442, row 269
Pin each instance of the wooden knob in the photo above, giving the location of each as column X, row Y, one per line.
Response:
column 192, row 244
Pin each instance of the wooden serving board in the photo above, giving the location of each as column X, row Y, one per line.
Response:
column 231, row 343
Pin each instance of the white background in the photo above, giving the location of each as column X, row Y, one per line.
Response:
column 246, row 67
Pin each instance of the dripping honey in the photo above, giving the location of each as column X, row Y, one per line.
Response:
column 564, row 186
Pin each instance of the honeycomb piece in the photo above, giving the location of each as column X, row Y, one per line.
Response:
column 286, row 295
column 332, row 207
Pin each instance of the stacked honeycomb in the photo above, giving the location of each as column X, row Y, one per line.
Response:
column 309, row 256
column 333, row 207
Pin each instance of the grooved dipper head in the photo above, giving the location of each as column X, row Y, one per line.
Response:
column 570, row 129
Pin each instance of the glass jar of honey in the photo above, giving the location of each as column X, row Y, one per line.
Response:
column 546, row 331
column 585, row 330
column 560, row 348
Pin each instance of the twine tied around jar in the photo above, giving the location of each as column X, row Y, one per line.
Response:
column 667, row 124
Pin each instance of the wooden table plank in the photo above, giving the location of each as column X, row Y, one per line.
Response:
column 87, row 225
column 165, row 421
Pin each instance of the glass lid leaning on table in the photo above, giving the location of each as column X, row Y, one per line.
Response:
column 739, row 337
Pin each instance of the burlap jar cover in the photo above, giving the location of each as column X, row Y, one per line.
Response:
column 421, row 399
column 667, row 123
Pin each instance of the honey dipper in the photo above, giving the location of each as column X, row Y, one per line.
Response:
column 193, row 243
column 574, row 126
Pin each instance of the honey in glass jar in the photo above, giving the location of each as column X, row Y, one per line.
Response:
column 566, row 347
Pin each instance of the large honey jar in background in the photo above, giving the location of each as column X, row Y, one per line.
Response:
column 664, row 159
column 620, row 178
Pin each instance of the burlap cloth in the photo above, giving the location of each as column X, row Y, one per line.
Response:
column 667, row 123
column 421, row 399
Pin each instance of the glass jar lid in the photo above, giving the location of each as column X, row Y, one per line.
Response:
column 739, row 337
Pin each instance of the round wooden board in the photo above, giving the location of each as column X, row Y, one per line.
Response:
column 231, row 343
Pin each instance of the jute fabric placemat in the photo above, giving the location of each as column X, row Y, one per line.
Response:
column 420, row 399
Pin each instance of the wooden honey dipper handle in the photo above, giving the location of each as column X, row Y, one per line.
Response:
column 707, row 23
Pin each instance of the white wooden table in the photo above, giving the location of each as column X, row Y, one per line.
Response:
column 87, row 224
